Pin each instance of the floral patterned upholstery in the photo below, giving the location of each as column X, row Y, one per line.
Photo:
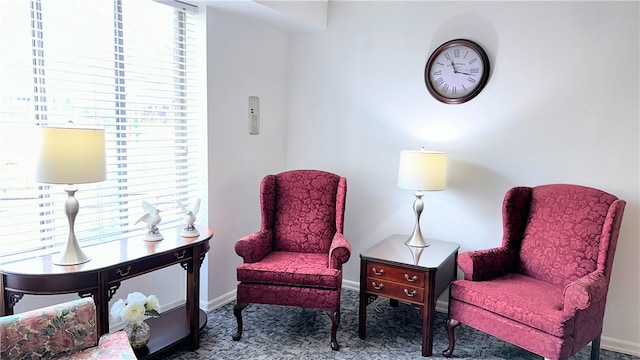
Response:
column 66, row 331
column 296, row 258
column 545, row 288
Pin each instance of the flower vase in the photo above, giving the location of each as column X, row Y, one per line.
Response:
column 138, row 334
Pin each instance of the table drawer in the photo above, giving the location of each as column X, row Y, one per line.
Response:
column 395, row 290
column 396, row 274
column 129, row 270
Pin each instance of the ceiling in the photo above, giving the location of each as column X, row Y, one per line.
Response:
column 290, row 16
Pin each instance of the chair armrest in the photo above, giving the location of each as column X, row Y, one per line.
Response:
column 51, row 331
column 340, row 251
column 581, row 293
column 110, row 346
column 255, row 247
column 481, row 265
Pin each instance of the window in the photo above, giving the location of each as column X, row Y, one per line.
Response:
column 128, row 66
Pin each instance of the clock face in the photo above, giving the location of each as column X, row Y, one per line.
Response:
column 456, row 71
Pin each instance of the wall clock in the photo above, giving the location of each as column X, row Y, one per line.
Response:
column 456, row 71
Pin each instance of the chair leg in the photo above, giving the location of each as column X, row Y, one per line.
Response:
column 334, row 315
column 595, row 348
column 451, row 325
column 237, row 312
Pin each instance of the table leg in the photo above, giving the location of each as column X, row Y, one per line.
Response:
column 101, row 297
column 428, row 312
column 362, row 318
column 193, row 298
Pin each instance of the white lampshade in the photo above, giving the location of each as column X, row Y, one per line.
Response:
column 71, row 156
column 422, row 170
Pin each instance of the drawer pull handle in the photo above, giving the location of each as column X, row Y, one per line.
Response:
column 180, row 256
column 410, row 294
column 411, row 279
column 123, row 273
column 378, row 272
column 377, row 287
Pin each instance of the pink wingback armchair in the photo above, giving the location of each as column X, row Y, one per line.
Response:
column 67, row 330
column 545, row 288
column 296, row 258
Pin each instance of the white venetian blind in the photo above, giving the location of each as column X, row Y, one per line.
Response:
column 128, row 66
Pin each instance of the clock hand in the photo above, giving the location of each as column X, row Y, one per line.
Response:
column 460, row 72
column 453, row 66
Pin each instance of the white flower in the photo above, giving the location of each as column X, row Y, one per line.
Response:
column 152, row 303
column 116, row 309
column 136, row 297
column 135, row 307
column 133, row 313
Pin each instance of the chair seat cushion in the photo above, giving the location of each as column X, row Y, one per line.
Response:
column 521, row 298
column 292, row 269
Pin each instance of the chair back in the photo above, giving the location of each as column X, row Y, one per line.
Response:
column 571, row 231
column 308, row 209
column 50, row 332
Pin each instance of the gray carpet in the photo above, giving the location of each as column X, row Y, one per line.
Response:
column 276, row 332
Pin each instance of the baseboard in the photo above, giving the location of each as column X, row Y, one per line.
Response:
column 607, row 343
column 625, row 347
column 219, row 301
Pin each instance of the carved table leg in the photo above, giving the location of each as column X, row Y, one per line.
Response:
column 237, row 312
column 335, row 321
column 451, row 324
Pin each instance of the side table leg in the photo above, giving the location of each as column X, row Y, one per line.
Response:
column 362, row 314
column 428, row 312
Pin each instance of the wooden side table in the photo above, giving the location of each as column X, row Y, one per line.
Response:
column 408, row 274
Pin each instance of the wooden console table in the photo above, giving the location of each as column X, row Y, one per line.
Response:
column 111, row 263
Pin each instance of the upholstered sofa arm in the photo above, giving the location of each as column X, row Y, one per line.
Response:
column 110, row 346
column 585, row 291
column 65, row 330
column 255, row 247
column 340, row 251
column 481, row 265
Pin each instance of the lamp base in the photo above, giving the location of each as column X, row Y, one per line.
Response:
column 72, row 254
column 71, row 258
column 416, row 239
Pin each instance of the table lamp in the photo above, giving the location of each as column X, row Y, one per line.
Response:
column 421, row 170
column 71, row 156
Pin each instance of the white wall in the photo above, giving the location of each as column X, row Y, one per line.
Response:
column 561, row 106
column 244, row 58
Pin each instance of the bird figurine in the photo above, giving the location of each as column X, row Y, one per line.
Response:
column 189, row 229
column 152, row 218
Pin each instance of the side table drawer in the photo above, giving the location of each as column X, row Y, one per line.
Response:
column 396, row 274
column 395, row 290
